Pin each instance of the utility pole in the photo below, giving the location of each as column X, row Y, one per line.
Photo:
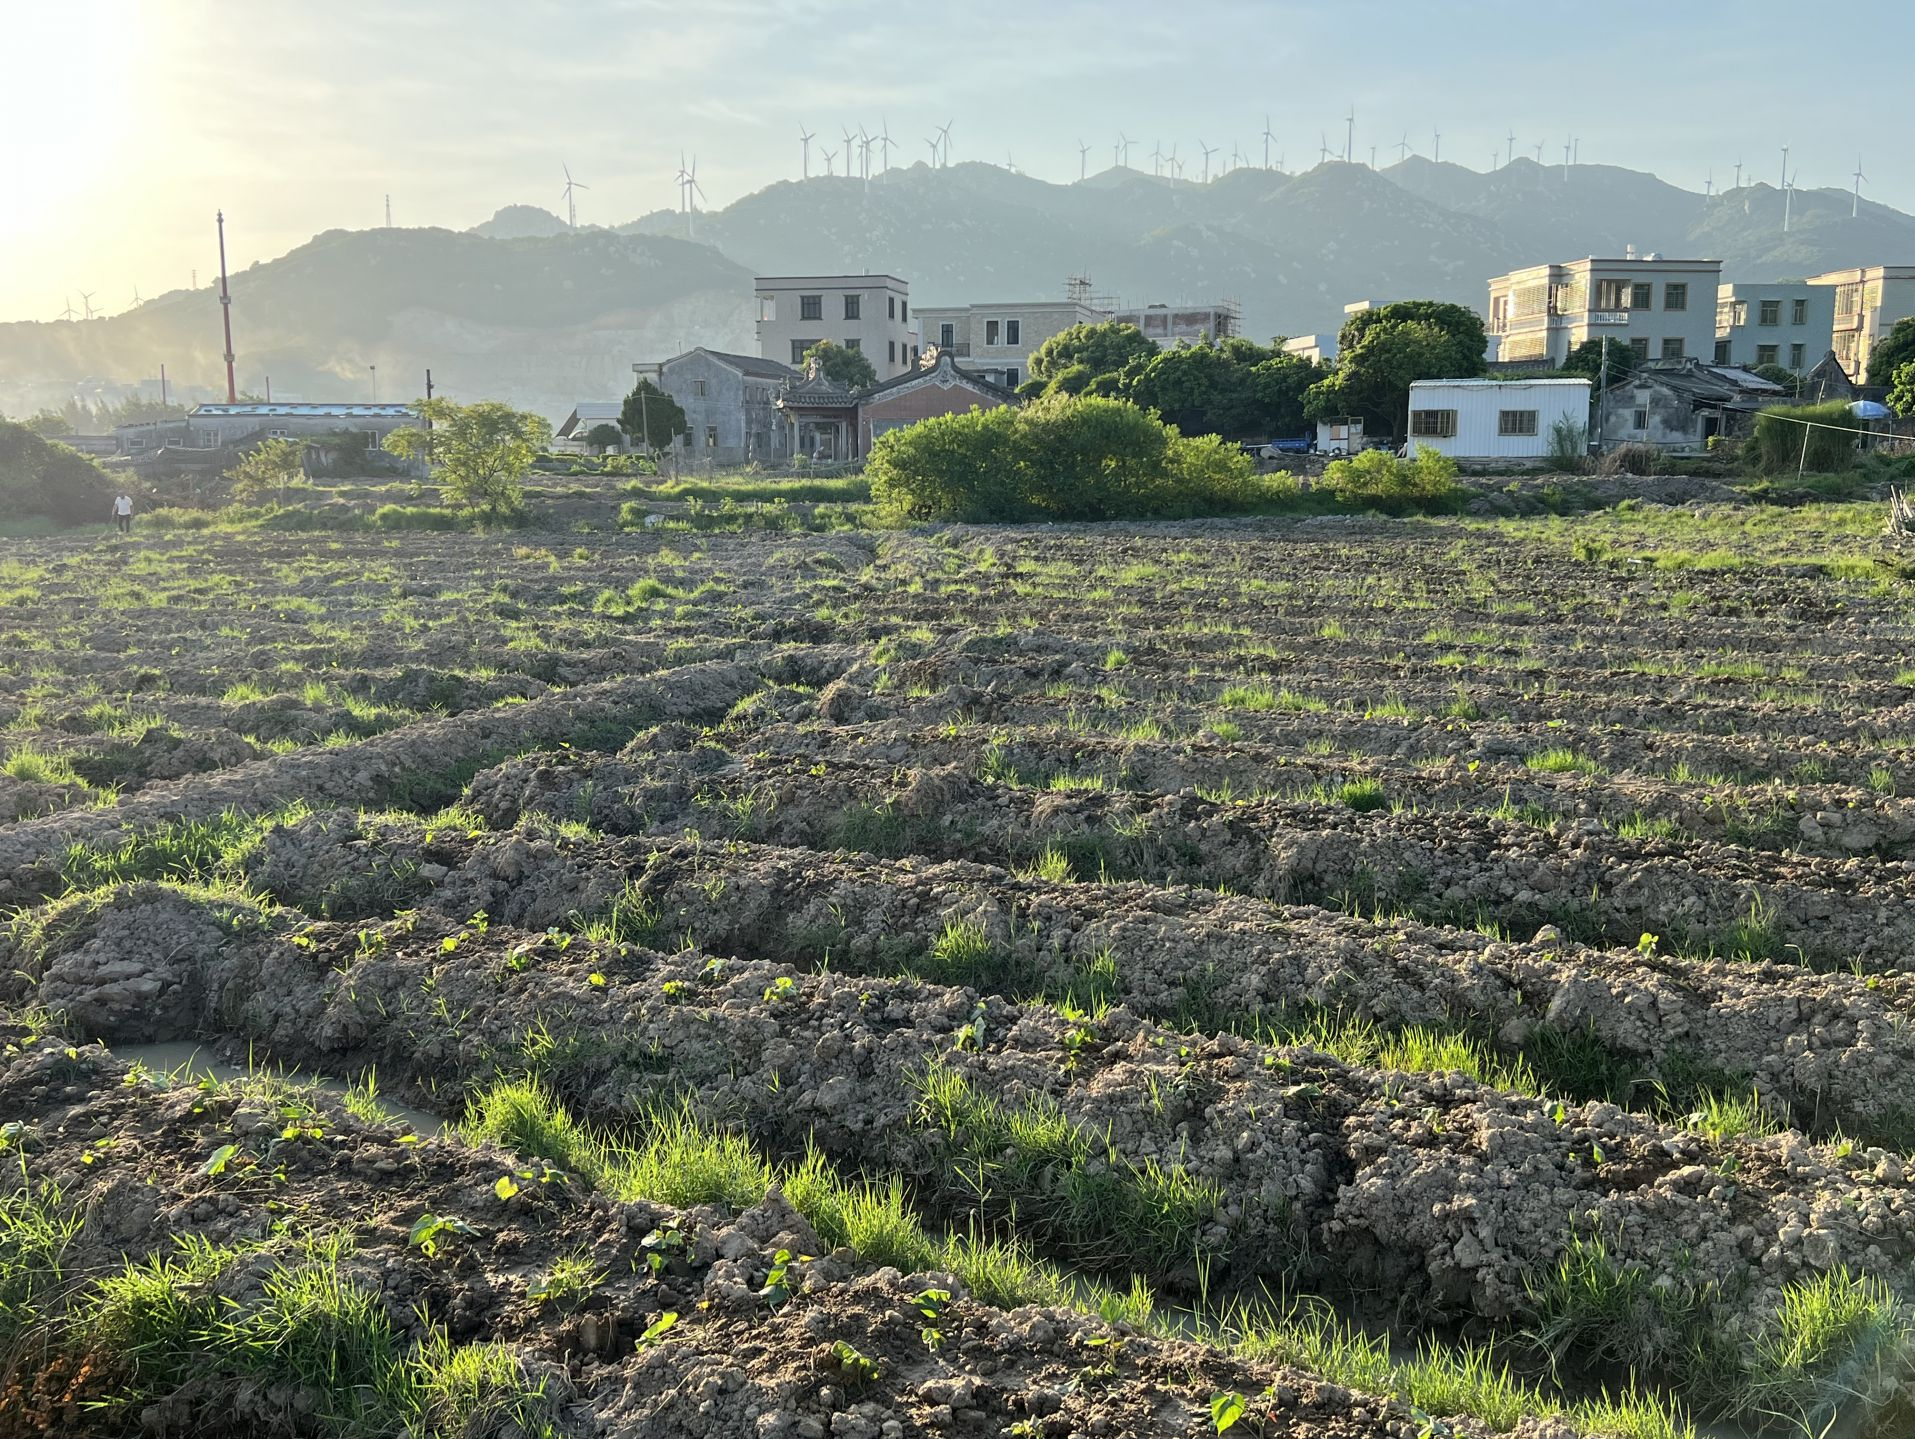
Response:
column 226, row 312
column 428, row 384
column 1602, row 396
column 375, row 383
column 162, row 387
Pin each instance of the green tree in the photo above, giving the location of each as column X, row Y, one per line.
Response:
column 272, row 467
column 843, row 365
column 604, row 436
column 1102, row 349
column 1891, row 352
column 1901, row 394
column 1587, row 359
column 50, row 425
column 1374, row 380
column 1378, row 480
column 652, row 418
column 39, row 477
column 482, row 453
column 1059, row 458
column 1819, row 439
column 1236, row 389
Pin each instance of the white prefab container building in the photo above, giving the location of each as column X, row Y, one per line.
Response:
column 1495, row 419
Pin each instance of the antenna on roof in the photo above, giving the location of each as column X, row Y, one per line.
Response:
column 805, row 137
column 226, row 311
column 571, row 206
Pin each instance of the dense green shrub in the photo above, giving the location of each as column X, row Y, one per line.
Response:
column 1820, row 438
column 38, row 477
column 1062, row 458
column 1378, row 480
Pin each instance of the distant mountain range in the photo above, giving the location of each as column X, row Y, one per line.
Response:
column 522, row 308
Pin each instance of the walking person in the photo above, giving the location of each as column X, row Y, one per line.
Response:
column 123, row 512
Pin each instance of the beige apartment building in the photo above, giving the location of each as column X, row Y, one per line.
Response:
column 1661, row 309
column 1869, row 299
column 871, row 313
column 994, row 341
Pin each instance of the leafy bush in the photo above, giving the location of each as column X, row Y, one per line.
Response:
column 42, row 478
column 1062, row 458
column 415, row 517
column 1805, row 437
column 1378, row 480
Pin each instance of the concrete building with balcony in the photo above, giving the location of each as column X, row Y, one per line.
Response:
column 871, row 313
column 1790, row 324
column 994, row 341
column 1660, row 309
column 1869, row 299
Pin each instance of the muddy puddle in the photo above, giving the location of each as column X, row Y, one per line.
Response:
column 198, row 1061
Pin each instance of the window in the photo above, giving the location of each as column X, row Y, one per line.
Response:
column 276, row 434
column 1798, row 354
column 914, row 356
column 1433, row 424
column 1516, row 422
column 698, row 388
column 373, row 441
column 711, row 437
column 1611, row 295
column 1675, row 297
column 1639, row 422
column 1642, row 296
column 1672, row 347
column 854, row 344
column 1848, row 301
column 811, row 307
column 1769, row 312
column 1639, row 347
column 990, row 332
column 852, row 305
column 798, row 348
column 1010, row 378
column 891, row 306
column 891, row 352
column 1767, row 354
column 1012, row 329
column 1722, row 352
column 904, row 312
column 1799, row 312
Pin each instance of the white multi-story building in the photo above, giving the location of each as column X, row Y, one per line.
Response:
column 1790, row 324
column 994, row 341
column 1869, row 299
column 871, row 313
column 1661, row 309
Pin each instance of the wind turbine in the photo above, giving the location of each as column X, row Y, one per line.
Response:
column 1539, row 152
column 1855, row 209
column 1403, row 148
column 1785, row 167
column 1372, row 157
column 67, row 313
column 1208, row 150
column 884, row 142
column 86, row 299
column 1323, row 146
column 849, row 141
column 136, row 297
column 1788, row 201
column 1738, row 173
column 1156, row 157
column 1267, row 138
column 694, row 192
column 805, row 137
column 1349, row 134
column 865, row 142
column 944, row 141
column 1511, row 152
column 830, row 155
column 1709, row 185
column 571, row 205
column 1083, row 159
column 1436, row 150
column 1124, row 142
column 1009, row 163
column 1176, row 166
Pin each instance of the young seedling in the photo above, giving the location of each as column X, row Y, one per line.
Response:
column 658, row 1328
column 430, row 1232
column 1226, row 1411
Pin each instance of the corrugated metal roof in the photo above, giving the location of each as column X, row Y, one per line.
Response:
column 1496, row 384
column 309, row 411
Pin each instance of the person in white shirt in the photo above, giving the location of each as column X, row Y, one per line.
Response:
column 123, row 512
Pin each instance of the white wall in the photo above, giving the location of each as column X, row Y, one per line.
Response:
column 1479, row 407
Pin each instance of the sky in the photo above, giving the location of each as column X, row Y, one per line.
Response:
column 125, row 124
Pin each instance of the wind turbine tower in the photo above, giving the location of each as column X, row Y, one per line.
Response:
column 1855, row 209
column 1083, row 159
column 1785, row 167
column 1267, row 138
column 1403, row 148
column 571, row 204
column 1208, row 150
column 1510, row 153
column 944, row 141
column 1436, row 147
column 805, row 137
column 86, row 300
column 1349, row 134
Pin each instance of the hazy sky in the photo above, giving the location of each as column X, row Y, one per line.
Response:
column 124, row 124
